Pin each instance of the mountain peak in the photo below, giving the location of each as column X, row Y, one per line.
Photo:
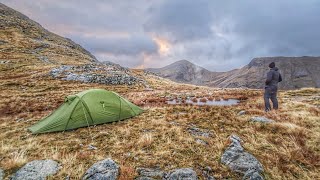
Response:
column 184, row 71
column 183, row 61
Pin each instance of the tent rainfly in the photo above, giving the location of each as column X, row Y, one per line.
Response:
column 90, row 107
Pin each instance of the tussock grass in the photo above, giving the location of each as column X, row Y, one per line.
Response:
column 159, row 137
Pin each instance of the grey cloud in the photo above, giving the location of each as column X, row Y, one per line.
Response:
column 132, row 45
column 281, row 27
column 85, row 15
column 180, row 19
column 219, row 35
column 251, row 28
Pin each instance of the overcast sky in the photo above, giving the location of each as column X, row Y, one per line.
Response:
column 216, row 34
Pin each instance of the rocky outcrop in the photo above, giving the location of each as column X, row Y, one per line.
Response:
column 238, row 160
column 183, row 173
column 38, row 169
column 150, row 173
column 261, row 119
column 105, row 169
column 96, row 73
column 156, row 173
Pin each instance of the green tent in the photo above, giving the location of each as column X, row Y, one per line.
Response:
column 91, row 107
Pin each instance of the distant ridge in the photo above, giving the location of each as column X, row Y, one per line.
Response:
column 185, row 72
column 297, row 72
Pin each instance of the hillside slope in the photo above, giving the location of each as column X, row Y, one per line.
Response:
column 22, row 40
column 31, row 53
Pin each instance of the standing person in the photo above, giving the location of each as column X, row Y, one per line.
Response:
column 271, row 88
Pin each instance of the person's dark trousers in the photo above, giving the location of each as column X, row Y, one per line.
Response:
column 270, row 93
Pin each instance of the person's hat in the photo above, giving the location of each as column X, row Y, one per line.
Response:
column 272, row 65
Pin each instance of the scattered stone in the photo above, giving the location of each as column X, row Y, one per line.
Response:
column 91, row 147
column 194, row 131
column 239, row 160
column 261, row 119
column 148, row 89
column 38, row 169
column 4, row 62
column 150, row 173
column 44, row 59
column 241, row 113
column 174, row 123
column 183, row 173
column 206, row 173
column 20, row 119
column 1, row 174
column 2, row 42
column 200, row 141
column 105, row 169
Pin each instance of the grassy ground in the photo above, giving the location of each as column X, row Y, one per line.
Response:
column 288, row 149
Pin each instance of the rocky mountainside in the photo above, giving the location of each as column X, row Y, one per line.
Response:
column 28, row 50
column 185, row 72
column 24, row 41
column 297, row 72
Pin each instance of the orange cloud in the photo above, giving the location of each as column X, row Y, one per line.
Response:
column 163, row 44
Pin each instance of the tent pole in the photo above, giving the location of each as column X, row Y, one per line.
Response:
column 70, row 116
column 120, row 108
column 129, row 106
column 87, row 121
column 85, row 106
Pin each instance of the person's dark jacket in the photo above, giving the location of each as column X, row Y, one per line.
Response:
column 273, row 77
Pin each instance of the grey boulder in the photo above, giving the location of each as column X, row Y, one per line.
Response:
column 106, row 169
column 1, row 174
column 252, row 175
column 38, row 169
column 238, row 160
column 261, row 119
column 150, row 173
column 194, row 131
column 182, row 174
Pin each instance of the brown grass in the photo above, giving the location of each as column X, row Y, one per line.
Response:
column 288, row 149
column 203, row 100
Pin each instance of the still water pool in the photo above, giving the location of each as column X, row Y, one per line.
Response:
column 222, row 102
